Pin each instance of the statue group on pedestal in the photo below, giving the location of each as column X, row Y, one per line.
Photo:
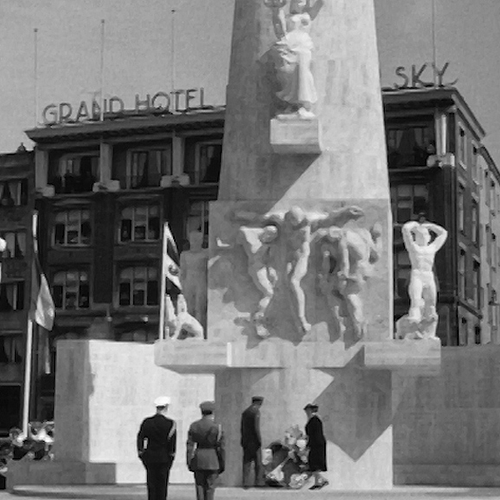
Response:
column 292, row 55
column 279, row 247
column 191, row 315
column 421, row 320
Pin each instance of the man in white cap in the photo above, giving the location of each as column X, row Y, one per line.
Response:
column 156, row 445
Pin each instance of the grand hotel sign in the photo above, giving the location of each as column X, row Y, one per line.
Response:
column 175, row 101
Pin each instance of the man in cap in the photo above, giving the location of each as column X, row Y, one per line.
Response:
column 156, row 445
column 316, row 443
column 251, row 442
column 205, row 452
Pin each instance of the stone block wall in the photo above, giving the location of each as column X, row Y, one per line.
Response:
column 447, row 428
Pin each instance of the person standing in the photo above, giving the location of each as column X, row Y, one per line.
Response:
column 156, row 446
column 251, row 442
column 316, row 443
column 205, row 452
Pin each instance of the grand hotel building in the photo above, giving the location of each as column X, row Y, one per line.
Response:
column 104, row 189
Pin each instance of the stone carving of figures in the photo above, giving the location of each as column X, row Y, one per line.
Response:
column 421, row 320
column 194, row 280
column 257, row 244
column 347, row 259
column 181, row 321
column 294, row 234
column 292, row 55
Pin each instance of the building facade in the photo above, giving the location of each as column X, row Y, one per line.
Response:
column 16, row 210
column 433, row 145
column 105, row 188
column 489, row 233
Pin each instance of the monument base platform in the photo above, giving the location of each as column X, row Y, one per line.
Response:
column 55, row 472
column 352, row 385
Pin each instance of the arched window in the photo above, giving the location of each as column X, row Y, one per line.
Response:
column 138, row 286
column 71, row 289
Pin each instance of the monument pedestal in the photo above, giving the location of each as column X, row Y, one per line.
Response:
column 351, row 385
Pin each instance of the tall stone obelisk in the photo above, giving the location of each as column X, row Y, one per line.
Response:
column 300, row 271
column 291, row 367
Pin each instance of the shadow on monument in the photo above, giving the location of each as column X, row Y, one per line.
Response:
column 356, row 407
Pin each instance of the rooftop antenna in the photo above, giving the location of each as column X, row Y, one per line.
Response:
column 101, row 75
column 434, row 45
column 35, row 78
column 172, row 51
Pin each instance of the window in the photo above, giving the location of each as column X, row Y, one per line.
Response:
column 77, row 173
column 71, row 289
column 11, row 348
column 198, row 219
column 488, row 243
column 474, row 160
column 10, row 402
column 72, row 228
column 487, row 188
column 12, row 296
column 493, row 250
column 207, row 162
column 402, row 270
column 138, row 286
column 140, row 223
column 410, row 146
column 463, row 332
column 462, row 146
column 477, row 334
column 461, row 208
column 408, row 201
column 16, row 245
column 13, row 193
column 475, row 221
column 476, row 292
column 146, row 167
column 461, row 274
column 493, row 198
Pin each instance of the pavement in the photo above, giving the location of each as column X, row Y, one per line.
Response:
column 186, row 492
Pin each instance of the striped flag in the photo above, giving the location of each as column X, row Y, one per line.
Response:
column 171, row 259
column 42, row 308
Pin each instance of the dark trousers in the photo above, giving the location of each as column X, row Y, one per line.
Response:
column 252, row 455
column 157, row 478
column 205, row 484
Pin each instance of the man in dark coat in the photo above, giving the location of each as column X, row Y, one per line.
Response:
column 156, row 445
column 316, row 443
column 205, row 452
column 251, row 442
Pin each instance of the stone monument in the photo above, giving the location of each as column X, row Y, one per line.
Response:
column 300, row 269
column 422, row 319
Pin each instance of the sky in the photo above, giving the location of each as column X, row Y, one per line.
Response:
column 138, row 52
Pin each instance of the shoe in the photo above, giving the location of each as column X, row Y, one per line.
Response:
column 315, row 487
column 324, row 483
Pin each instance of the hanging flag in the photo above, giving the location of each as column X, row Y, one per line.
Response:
column 171, row 258
column 42, row 308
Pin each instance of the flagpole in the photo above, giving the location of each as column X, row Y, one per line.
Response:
column 163, row 285
column 101, row 72
column 434, row 46
column 29, row 335
column 27, row 375
column 172, row 51
column 35, row 77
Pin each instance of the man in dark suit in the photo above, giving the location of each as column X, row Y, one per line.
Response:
column 316, row 443
column 251, row 442
column 156, row 445
column 205, row 452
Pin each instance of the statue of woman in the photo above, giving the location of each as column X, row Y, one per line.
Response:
column 293, row 55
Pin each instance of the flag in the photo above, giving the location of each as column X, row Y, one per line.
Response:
column 42, row 308
column 171, row 259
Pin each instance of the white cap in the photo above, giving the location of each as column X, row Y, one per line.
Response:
column 162, row 401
